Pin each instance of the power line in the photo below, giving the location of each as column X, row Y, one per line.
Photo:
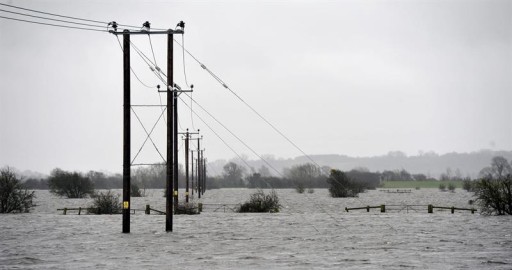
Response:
column 53, row 14
column 123, row 26
column 135, row 74
column 218, row 79
column 142, row 55
column 234, row 135
column 219, row 137
column 152, row 51
column 148, row 61
column 51, row 24
column 71, row 17
column 185, row 76
column 57, row 20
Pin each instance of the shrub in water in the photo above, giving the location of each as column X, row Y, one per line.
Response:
column 261, row 203
column 14, row 197
column 468, row 185
column 342, row 186
column 70, row 184
column 106, row 203
column 186, row 209
column 451, row 187
column 495, row 195
column 135, row 191
column 442, row 187
column 299, row 187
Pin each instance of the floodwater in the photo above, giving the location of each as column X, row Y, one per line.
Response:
column 311, row 232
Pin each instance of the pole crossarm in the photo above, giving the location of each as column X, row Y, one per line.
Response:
column 144, row 32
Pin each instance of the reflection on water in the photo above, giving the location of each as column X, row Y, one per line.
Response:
column 312, row 231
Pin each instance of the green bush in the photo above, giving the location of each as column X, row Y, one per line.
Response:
column 451, row 187
column 299, row 187
column 468, row 185
column 261, row 203
column 342, row 186
column 70, row 184
column 494, row 195
column 135, row 191
column 106, row 203
column 14, row 197
column 442, row 187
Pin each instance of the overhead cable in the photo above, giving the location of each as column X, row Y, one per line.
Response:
column 218, row 79
column 55, row 25
column 50, row 19
column 71, row 17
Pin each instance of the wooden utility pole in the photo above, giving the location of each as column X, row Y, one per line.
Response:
column 175, row 142
column 126, row 132
column 171, row 120
column 203, row 166
column 186, row 165
column 170, row 146
column 192, row 169
column 199, row 168
column 187, row 179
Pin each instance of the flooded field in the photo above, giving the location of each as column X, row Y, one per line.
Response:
column 312, row 231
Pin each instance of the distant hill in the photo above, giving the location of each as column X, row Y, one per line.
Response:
column 431, row 164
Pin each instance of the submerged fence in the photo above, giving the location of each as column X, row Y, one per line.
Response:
column 413, row 207
column 180, row 209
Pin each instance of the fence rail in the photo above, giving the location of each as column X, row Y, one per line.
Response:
column 396, row 190
column 413, row 207
column 65, row 210
column 220, row 207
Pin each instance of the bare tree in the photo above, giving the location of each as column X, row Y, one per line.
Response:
column 494, row 189
column 233, row 174
column 70, row 184
column 14, row 197
column 500, row 166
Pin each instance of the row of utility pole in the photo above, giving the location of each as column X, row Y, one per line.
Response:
column 199, row 184
column 172, row 90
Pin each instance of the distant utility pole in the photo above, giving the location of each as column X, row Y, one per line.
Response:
column 126, row 119
column 187, row 138
column 192, row 167
column 199, row 167
column 204, row 175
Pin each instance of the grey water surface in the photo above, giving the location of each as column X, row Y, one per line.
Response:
column 312, row 231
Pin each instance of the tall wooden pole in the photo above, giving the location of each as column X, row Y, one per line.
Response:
column 198, row 168
column 204, row 175
column 175, row 142
column 192, row 168
column 126, row 132
column 170, row 123
column 186, row 166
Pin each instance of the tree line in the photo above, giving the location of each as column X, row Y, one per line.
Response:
column 493, row 189
column 236, row 176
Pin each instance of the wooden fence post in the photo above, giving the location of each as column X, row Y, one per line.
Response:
column 430, row 209
column 383, row 208
column 65, row 210
column 148, row 209
column 79, row 210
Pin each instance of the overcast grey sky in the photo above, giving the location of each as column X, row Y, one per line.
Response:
column 360, row 78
